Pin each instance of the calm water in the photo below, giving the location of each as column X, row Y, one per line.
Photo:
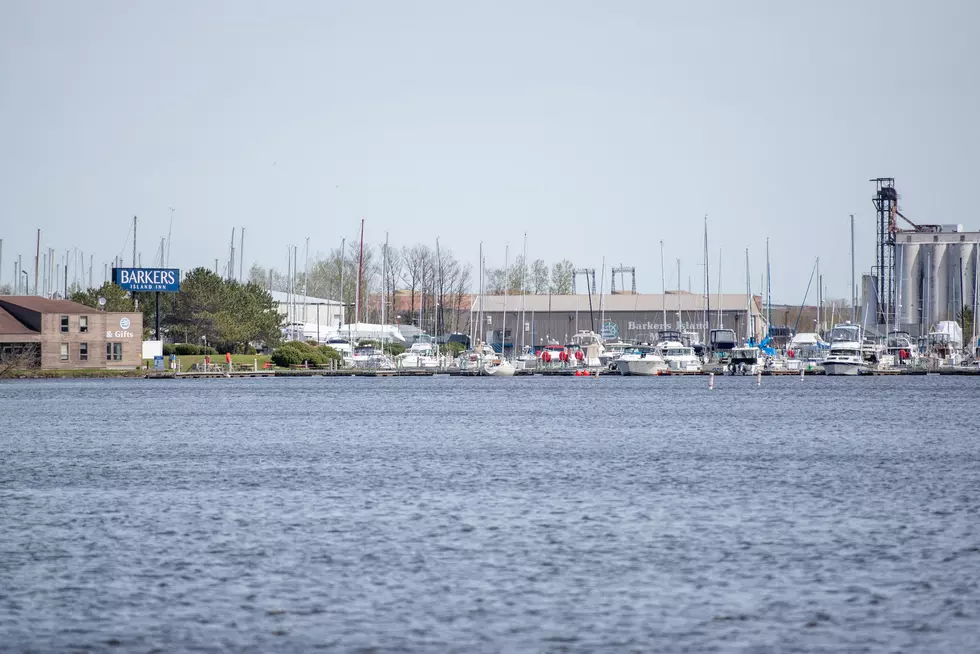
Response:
column 491, row 515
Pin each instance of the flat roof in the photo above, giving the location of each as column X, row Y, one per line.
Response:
column 10, row 325
column 44, row 305
column 618, row 303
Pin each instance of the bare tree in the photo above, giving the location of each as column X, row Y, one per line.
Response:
column 19, row 357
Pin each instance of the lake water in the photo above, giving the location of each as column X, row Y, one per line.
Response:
column 521, row 514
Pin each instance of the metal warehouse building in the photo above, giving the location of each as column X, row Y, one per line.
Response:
column 624, row 316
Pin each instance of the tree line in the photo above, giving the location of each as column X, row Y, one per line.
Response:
column 417, row 284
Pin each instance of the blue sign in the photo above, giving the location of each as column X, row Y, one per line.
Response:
column 158, row 363
column 162, row 280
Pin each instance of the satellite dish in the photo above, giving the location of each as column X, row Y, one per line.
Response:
column 101, row 301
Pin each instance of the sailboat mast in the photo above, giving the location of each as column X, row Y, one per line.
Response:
column 602, row 289
column 853, row 294
column 976, row 289
column 819, row 294
column 343, row 309
column 678, row 295
column 720, row 326
column 384, row 280
column 748, row 299
column 768, row 292
column 503, row 314
column 360, row 274
column 663, row 285
column 707, row 285
column 523, row 293
column 479, row 315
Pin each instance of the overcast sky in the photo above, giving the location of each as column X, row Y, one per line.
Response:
column 597, row 128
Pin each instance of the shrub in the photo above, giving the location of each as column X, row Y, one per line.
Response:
column 186, row 349
column 168, row 349
column 287, row 356
column 330, row 353
column 294, row 353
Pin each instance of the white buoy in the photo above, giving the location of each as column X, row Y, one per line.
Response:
column 802, row 370
column 758, row 378
column 711, row 381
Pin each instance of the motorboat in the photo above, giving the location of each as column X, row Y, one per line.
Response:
column 902, row 348
column 553, row 354
column 746, row 360
column 845, row 356
column 680, row 358
column 613, row 351
column 945, row 344
column 370, row 357
column 590, row 345
column 808, row 349
column 721, row 342
column 423, row 353
column 642, row 360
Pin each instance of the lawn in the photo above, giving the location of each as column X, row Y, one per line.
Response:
column 238, row 359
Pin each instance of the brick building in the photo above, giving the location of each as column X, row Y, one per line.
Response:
column 64, row 335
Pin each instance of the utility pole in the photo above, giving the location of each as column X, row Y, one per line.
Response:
column 134, row 241
column 241, row 258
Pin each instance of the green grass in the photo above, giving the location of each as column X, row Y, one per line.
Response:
column 239, row 359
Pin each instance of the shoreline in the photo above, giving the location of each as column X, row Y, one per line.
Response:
column 156, row 375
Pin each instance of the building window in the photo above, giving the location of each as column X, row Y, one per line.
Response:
column 83, row 324
column 64, row 324
column 64, row 351
column 113, row 351
column 83, row 351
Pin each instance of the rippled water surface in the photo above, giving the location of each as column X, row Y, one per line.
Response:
column 522, row 514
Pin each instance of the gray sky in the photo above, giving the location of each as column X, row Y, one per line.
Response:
column 597, row 128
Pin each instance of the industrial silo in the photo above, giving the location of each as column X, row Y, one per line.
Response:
column 909, row 276
column 959, row 260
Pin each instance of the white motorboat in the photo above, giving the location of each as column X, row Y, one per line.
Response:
column 902, row 349
column 745, row 360
column 590, row 345
column 367, row 356
column 845, row 356
column 422, row 354
column 642, row 360
column 613, row 351
column 503, row 368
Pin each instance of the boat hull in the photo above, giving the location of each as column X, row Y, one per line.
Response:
column 842, row 368
column 641, row 367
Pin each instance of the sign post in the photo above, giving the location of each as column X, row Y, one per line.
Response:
column 156, row 280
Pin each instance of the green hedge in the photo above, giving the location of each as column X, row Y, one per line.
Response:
column 295, row 353
column 187, row 349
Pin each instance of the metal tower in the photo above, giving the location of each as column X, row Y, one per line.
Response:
column 886, row 206
column 622, row 270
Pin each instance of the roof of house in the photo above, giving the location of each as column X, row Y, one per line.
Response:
column 44, row 305
column 10, row 325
